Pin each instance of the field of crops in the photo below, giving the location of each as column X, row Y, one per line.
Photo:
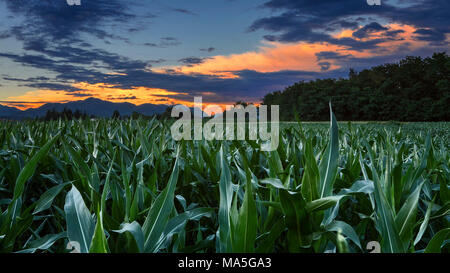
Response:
column 127, row 186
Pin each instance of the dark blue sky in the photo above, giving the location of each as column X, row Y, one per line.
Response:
column 224, row 50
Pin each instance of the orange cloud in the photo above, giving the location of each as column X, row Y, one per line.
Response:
column 137, row 96
column 273, row 56
column 406, row 36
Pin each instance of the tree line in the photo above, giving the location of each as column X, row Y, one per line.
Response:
column 67, row 114
column 414, row 89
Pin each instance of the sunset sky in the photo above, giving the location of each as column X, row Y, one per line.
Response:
column 168, row 51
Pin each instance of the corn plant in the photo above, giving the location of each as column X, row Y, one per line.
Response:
column 108, row 186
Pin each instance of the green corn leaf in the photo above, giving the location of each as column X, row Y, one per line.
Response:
column 424, row 224
column 177, row 223
column 323, row 203
column 99, row 243
column 160, row 211
column 274, row 182
column 360, row 186
column 44, row 243
column 30, row 167
column 84, row 171
column 391, row 242
column 341, row 243
column 297, row 220
column 444, row 191
column 244, row 234
column 136, row 231
column 266, row 242
column 80, row 224
column 346, row 230
column 406, row 217
column 434, row 246
column 329, row 161
column 226, row 197
column 46, row 199
column 311, row 176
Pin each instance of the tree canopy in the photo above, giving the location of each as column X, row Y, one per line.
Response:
column 414, row 89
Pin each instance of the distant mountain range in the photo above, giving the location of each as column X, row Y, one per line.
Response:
column 90, row 106
column 6, row 111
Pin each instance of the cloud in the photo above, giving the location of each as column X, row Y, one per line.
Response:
column 147, row 85
column 271, row 57
column 192, row 60
column 367, row 29
column 209, row 49
column 223, row 78
column 304, row 40
column 331, row 55
column 185, row 11
column 315, row 21
column 53, row 86
column 304, row 20
column 429, row 35
column 110, row 97
column 324, row 66
column 66, row 59
column 81, row 95
column 157, row 61
column 165, row 42
column 55, row 20
column 32, row 79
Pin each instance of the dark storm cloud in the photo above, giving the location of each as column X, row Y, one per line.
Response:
column 367, row 29
column 324, row 66
column 65, row 71
column 331, row 55
column 347, row 24
column 300, row 19
column 192, row 60
column 79, row 95
column 359, row 45
column 51, row 36
column 129, row 98
column 429, row 35
column 111, row 97
column 53, row 86
column 32, row 79
column 393, row 33
column 306, row 20
column 56, row 20
column 66, row 54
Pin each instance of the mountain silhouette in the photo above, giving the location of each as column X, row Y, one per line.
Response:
column 90, row 106
column 7, row 112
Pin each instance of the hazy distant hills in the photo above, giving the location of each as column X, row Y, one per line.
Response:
column 6, row 111
column 91, row 106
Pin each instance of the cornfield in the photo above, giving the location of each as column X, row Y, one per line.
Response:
column 109, row 186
